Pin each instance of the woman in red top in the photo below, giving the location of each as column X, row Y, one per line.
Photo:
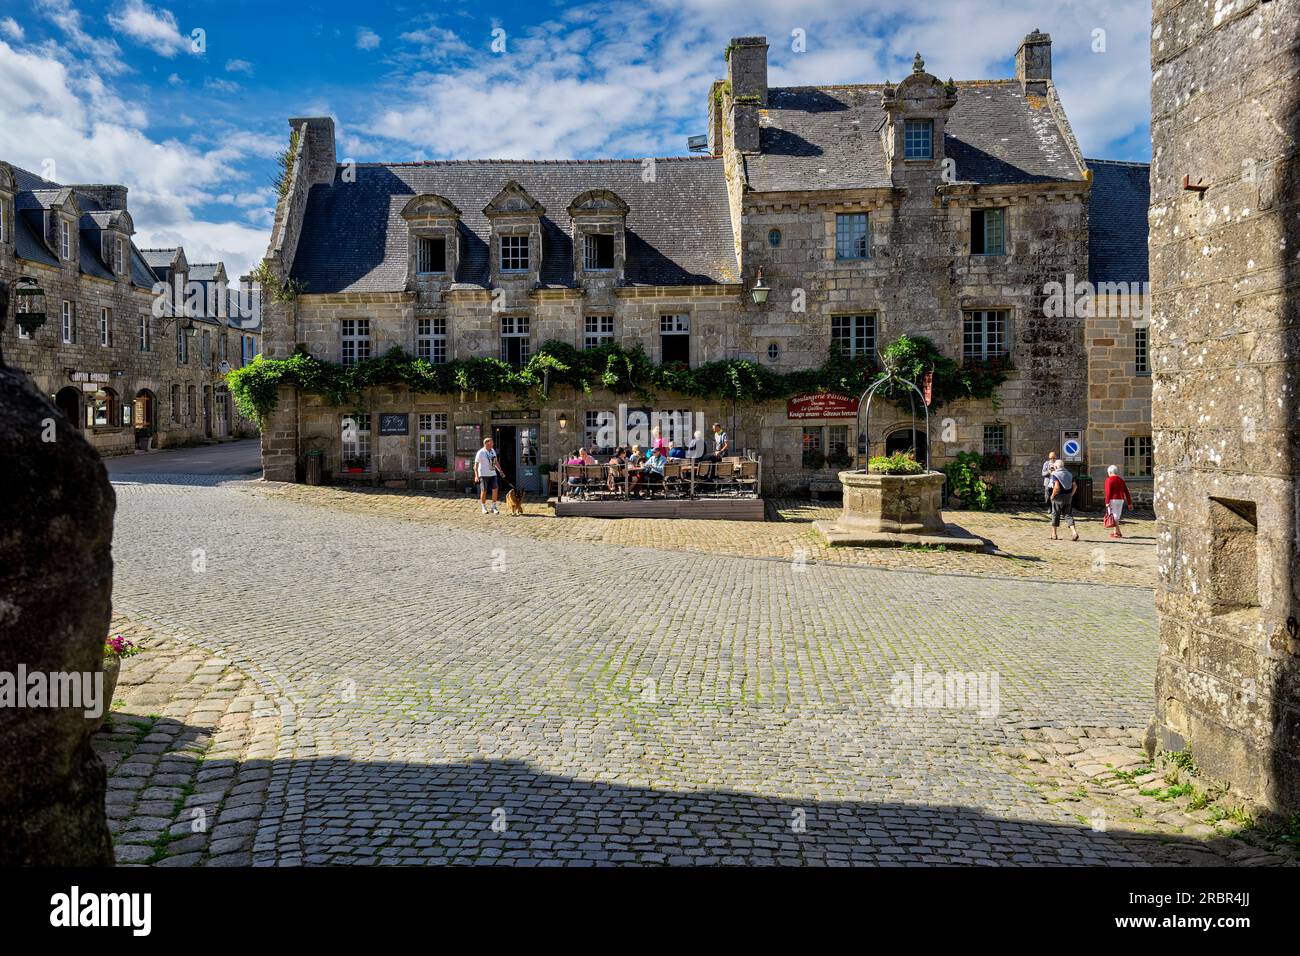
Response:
column 1117, row 497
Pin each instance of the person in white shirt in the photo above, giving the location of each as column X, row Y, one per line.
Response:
column 487, row 469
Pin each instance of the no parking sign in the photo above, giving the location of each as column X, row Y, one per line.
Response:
column 1072, row 445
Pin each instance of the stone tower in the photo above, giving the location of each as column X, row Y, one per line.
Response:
column 1225, row 276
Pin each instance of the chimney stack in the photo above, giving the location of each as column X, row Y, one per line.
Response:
column 317, row 134
column 747, row 73
column 1034, row 62
column 109, row 196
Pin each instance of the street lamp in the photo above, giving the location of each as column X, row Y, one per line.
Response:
column 29, row 305
column 760, row 291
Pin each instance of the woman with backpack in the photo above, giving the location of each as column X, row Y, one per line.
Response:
column 1062, row 498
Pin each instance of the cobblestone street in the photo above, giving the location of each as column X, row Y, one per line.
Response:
column 369, row 689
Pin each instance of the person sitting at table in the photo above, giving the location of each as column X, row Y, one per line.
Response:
column 649, row 474
column 677, row 451
column 636, row 456
column 616, row 464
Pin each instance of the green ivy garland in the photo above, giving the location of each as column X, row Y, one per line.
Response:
column 607, row 367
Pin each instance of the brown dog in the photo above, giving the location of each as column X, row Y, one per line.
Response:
column 515, row 502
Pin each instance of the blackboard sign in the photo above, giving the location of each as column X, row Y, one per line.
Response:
column 394, row 423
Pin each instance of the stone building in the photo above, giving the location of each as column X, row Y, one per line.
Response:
column 925, row 207
column 120, row 349
column 1117, row 326
column 1225, row 349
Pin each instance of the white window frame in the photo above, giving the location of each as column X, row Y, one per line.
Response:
column 431, row 439
column 511, row 245
column 431, row 339
column 65, row 239
column 144, row 332
column 594, row 421
column 68, row 323
column 1141, row 351
column 1134, row 456
column 359, row 447
column 119, row 257
column 856, row 343
column 597, row 330
column 105, row 326
column 909, row 142
column 516, row 327
column 985, row 327
column 354, row 341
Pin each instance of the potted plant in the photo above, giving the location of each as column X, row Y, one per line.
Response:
column 437, row 464
column 144, row 437
column 355, row 466
column 115, row 648
column 839, row 459
column 813, row 458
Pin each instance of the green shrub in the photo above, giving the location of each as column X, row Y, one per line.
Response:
column 899, row 463
column 966, row 482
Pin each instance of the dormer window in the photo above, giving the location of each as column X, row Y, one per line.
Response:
column 431, row 256
column 598, row 252
column 514, row 253
column 119, row 257
column 65, row 240
column 918, row 139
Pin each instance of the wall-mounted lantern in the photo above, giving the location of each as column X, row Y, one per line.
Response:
column 760, row 291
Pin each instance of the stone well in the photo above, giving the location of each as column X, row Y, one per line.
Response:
column 893, row 511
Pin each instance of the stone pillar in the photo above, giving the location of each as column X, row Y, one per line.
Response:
column 1226, row 361
column 280, row 438
column 56, row 583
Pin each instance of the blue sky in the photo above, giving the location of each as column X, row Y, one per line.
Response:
column 127, row 91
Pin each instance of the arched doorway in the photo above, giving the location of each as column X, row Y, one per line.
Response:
column 68, row 401
column 901, row 440
column 145, row 408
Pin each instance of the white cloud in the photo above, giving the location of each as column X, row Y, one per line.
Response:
column 239, row 66
column 156, row 29
column 54, row 118
column 218, row 85
column 10, row 28
column 104, row 53
column 367, row 39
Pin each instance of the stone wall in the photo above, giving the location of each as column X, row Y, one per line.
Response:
column 1226, row 355
column 1119, row 396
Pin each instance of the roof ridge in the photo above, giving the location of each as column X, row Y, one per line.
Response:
column 529, row 162
column 1118, row 162
column 880, row 85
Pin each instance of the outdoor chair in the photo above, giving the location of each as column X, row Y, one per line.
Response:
column 593, row 480
column 672, row 483
column 746, row 478
column 572, row 484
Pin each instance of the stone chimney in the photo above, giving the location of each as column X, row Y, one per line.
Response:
column 110, row 197
column 747, row 73
column 317, row 147
column 1034, row 62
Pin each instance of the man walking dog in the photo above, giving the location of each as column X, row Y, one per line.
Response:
column 487, row 472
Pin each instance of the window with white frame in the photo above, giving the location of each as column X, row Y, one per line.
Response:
column 355, row 435
column 69, row 323
column 1138, row 451
column 984, row 334
column 119, row 256
column 514, row 340
column 597, row 426
column 21, row 308
column 675, row 339
column 431, row 340
column 65, row 239
column 1141, row 354
column 852, row 236
column 598, row 252
column 355, row 338
column 431, row 439
column 988, row 232
column 918, row 139
column 514, row 253
column 105, row 326
column 144, row 332
column 597, row 330
column 837, row 441
column 854, row 335
column 431, row 255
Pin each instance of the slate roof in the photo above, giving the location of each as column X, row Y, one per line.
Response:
column 1117, row 221
column 828, row 137
column 354, row 239
column 36, row 194
column 159, row 258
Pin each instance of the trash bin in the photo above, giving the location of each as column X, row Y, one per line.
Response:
column 1083, row 500
column 315, row 464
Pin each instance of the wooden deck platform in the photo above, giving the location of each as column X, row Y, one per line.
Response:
column 702, row 509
